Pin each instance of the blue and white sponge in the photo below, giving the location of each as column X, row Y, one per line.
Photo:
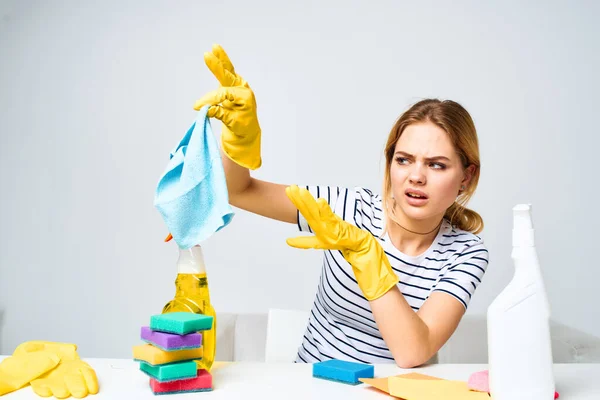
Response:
column 343, row 371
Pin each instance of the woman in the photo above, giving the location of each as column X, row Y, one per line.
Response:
column 398, row 269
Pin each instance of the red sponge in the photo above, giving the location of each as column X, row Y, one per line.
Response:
column 201, row 383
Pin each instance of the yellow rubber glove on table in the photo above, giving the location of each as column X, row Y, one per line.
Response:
column 66, row 351
column 234, row 104
column 371, row 266
column 57, row 368
column 70, row 377
column 18, row 371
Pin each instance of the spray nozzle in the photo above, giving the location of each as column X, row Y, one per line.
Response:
column 522, row 216
column 191, row 260
column 522, row 225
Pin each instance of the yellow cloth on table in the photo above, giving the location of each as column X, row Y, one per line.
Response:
column 422, row 389
column 415, row 386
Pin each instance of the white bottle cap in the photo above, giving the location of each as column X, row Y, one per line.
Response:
column 523, row 233
column 191, row 261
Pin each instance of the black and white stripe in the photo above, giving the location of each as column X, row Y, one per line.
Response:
column 341, row 324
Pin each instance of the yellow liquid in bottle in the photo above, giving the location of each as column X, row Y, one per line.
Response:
column 192, row 295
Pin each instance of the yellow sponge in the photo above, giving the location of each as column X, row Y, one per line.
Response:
column 155, row 356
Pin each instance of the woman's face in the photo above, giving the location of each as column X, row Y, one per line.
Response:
column 426, row 172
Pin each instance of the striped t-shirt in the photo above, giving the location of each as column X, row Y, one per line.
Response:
column 341, row 324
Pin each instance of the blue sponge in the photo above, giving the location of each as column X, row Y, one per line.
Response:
column 343, row 371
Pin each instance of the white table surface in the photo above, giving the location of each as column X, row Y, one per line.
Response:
column 122, row 379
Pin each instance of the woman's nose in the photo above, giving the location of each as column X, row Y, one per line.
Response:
column 417, row 177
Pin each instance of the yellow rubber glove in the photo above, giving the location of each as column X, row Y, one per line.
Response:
column 71, row 377
column 17, row 371
column 66, row 351
column 371, row 267
column 234, row 104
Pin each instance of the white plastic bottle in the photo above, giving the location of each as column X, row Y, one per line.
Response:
column 519, row 347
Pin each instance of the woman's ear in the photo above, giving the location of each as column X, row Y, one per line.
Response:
column 469, row 171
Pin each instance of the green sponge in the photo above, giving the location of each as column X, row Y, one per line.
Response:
column 180, row 323
column 170, row 372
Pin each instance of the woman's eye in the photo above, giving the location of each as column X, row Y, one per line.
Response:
column 401, row 160
column 438, row 166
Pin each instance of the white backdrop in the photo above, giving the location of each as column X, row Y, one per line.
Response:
column 94, row 96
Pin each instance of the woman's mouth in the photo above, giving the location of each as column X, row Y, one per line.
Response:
column 416, row 198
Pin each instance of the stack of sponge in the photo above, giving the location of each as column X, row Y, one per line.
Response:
column 173, row 343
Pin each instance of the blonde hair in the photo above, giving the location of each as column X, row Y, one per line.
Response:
column 457, row 123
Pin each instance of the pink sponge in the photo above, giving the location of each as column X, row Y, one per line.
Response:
column 480, row 382
column 201, row 383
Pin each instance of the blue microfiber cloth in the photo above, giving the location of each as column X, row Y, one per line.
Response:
column 192, row 193
column 343, row 371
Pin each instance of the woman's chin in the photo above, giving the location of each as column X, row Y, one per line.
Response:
column 417, row 213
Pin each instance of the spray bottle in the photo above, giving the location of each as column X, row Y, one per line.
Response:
column 192, row 295
column 519, row 347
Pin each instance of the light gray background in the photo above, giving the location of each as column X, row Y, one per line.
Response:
column 94, row 95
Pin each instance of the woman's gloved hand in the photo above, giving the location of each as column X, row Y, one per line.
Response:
column 234, row 104
column 371, row 267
